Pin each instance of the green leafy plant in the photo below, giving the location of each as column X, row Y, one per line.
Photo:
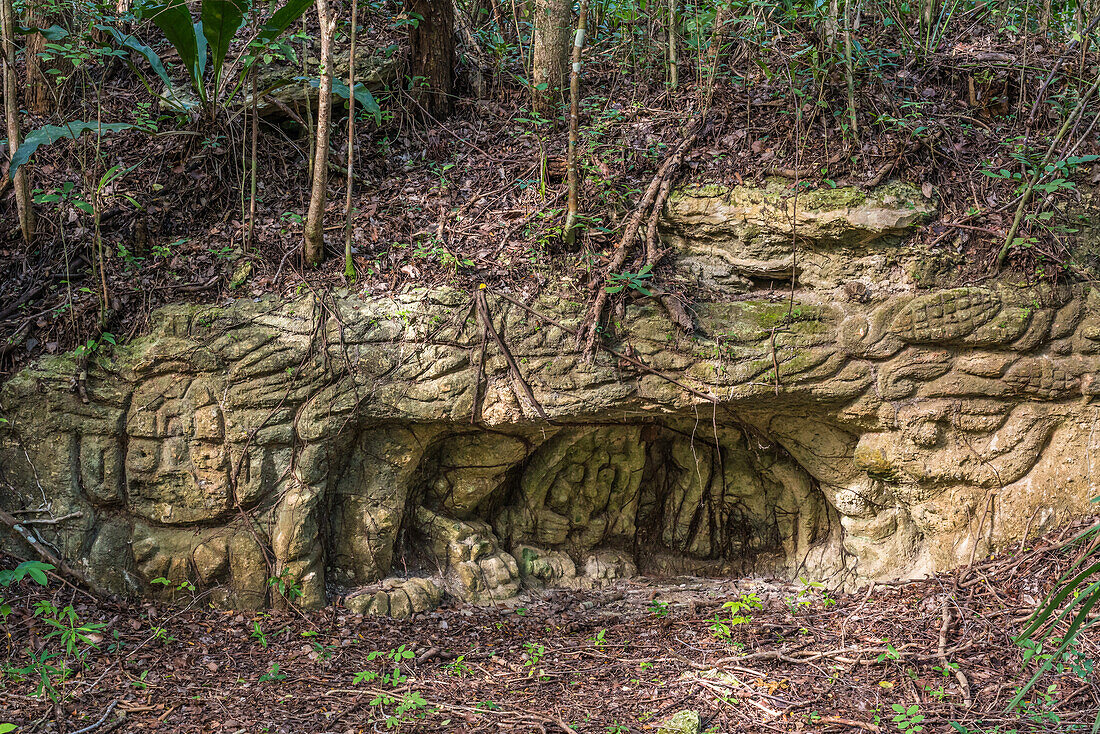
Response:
column 658, row 608
column 161, row 635
column 272, row 674
column 34, row 570
column 636, row 281
column 532, row 656
column 395, row 710
column 891, row 653
column 324, row 652
column 908, row 718
column 392, row 677
column 219, row 22
column 737, row 614
column 1071, row 602
column 184, row 585
column 76, row 637
column 258, row 634
column 52, row 133
column 810, row 592
column 458, row 668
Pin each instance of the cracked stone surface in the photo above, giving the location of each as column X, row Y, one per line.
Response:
column 874, row 432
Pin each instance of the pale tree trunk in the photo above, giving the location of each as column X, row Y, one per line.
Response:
column 23, row 202
column 433, row 51
column 314, row 245
column 574, row 122
column 551, row 43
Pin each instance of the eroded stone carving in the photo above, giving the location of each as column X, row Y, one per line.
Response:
column 335, row 447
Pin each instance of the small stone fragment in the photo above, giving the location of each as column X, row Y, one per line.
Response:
column 681, row 722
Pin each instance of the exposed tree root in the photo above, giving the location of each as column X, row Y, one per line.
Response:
column 588, row 333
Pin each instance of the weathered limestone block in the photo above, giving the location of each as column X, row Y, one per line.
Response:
column 731, row 237
column 469, row 468
column 539, row 565
column 579, row 490
column 855, row 426
column 946, row 316
column 294, row 537
column 475, row 568
column 397, row 598
column 369, row 502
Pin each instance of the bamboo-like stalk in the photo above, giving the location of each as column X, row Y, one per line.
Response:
column 349, row 264
column 23, row 203
column 574, row 123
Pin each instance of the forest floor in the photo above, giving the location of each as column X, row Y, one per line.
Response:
column 480, row 197
column 791, row 658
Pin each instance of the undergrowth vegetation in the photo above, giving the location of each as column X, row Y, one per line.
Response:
column 168, row 146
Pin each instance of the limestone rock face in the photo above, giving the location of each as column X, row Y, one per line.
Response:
column 289, row 450
column 741, row 236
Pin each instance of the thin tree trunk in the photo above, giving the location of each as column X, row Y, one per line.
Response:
column 848, row 72
column 349, row 264
column 39, row 94
column 309, row 107
column 23, row 202
column 550, row 44
column 255, row 120
column 574, row 122
column 673, row 44
column 314, row 245
column 433, row 52
column 712, row 55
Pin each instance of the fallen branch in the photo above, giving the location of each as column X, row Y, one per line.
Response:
column 96, row 725
column 676, row 311
column 941, row 652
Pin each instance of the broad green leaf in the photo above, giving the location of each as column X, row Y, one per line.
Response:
column 128, row 41
column 221, row 19
column 174, row 20
column 283, row 17
column 363, row 97
column 52, row 133
column 200, row 39
column 35, row 569
column 53, row 33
